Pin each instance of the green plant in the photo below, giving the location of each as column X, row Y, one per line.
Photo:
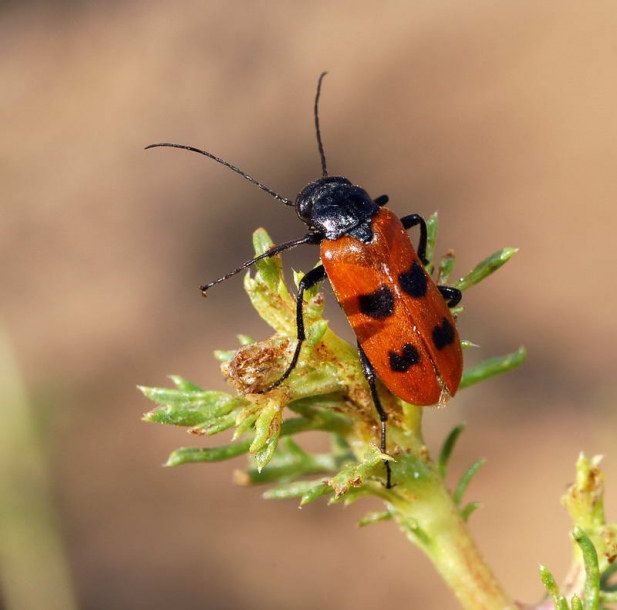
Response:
column 327, row 392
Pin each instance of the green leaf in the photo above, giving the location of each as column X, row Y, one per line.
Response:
column 469, row 509
column 446, row 265
column 224, row 355
column 375, row 517
column 267, row 426
column 608, row 598
column 215, row 426
column 184, row 384
column 461, row 488
column 296, row 489
column 187, row 455
column 319, row 490
column 267, row 432
column 605, row 581
column 548, row 580
column 447, row 448
column 178, row 398
column 246, row 420
column 192, row 408
column 356, row 474
column 316, row 332
column 297, row 276
column 591, row 591
column 285, row 466
column 485, row 268
column 414, row 531
column 577, row 604
column 432, row 225
column 267, row 290
column 492, row 367
column 270, row 269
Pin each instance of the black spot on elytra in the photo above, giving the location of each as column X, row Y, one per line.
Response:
column 413, row 282
column 443, row 334
column 401, row 363
column 378, row 304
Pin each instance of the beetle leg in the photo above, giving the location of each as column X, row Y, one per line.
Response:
column 452, row 296
column 311, row 238
column 412, row 220
column 371, row 378
column 312, row 278
column 382, row 200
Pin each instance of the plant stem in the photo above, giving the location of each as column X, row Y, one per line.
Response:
column 427, row 514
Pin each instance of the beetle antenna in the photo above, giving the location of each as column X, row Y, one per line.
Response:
column 322, row 154
column 263, row 187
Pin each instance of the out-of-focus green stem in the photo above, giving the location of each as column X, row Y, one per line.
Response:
column 33, row 568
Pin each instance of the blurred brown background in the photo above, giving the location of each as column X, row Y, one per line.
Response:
column 499, row 115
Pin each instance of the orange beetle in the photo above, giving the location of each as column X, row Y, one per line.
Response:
column 406, row 334
column 401, row 319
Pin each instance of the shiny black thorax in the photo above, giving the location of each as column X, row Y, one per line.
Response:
column 333, row 207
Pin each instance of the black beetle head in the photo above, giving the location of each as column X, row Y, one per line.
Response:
column 333, row 206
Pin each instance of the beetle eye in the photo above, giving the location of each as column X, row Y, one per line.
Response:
column 304, row 208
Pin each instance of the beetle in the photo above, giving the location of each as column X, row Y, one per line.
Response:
column 406, row 334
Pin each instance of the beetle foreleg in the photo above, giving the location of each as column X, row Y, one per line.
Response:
column 312, row 278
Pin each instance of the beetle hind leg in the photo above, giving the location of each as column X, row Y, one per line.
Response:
column 451, row 295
